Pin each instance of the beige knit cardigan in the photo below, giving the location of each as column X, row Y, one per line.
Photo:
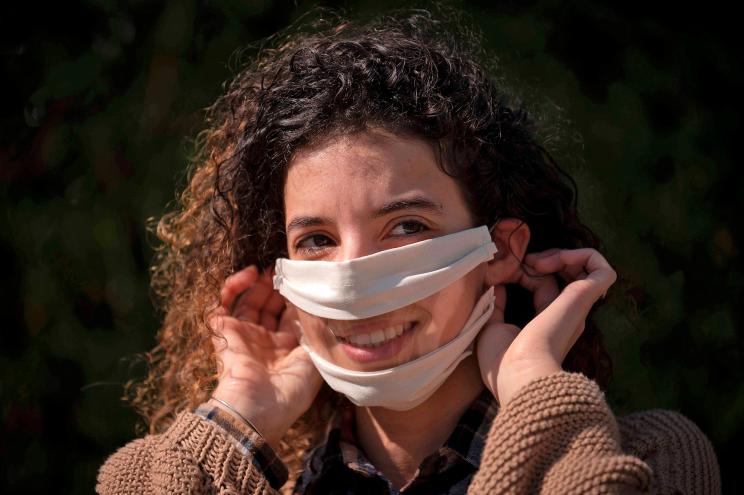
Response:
column 557, row 436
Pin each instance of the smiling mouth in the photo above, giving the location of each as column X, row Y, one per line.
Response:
column 378, row 337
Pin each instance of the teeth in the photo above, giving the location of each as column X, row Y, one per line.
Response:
column 378, row 336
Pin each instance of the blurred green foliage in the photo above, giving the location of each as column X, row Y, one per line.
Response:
column 102, row 97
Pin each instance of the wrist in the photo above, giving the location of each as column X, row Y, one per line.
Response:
column 253, row 417
column 261, row 414
column 235, row 413
column 509, row 386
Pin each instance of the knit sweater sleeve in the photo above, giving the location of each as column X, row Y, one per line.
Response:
column 558, row 436
column 675, row 448
column 205, row 451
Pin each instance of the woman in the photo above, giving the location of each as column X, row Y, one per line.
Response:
column 367, row 213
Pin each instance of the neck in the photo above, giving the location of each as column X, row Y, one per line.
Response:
column 397, row 449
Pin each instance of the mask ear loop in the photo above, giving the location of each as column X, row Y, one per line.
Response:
column 495, row 222
column 490, row 231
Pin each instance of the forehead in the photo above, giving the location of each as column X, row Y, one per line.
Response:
column 364, row 164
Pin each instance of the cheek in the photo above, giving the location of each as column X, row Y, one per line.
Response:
column 450, row 309
column 314, row 330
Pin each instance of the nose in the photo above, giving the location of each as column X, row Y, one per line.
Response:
column 355, row 244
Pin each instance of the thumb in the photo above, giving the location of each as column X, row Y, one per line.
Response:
column 497, row 335
column 491, row 346
column 495, row 339
column 298, row 360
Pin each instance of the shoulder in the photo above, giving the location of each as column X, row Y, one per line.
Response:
column 680, row 454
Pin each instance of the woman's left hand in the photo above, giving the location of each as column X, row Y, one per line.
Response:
column 510, row 358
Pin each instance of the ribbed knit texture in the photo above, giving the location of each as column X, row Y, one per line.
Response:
column 192, row 456
column 680, row 455
column 559, row 436
column 556, row 436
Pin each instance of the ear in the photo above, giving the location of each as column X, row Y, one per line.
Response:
column 511, row 236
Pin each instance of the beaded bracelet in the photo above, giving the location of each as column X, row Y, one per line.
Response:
column 239, row 415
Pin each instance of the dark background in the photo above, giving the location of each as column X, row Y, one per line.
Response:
column 101, row 99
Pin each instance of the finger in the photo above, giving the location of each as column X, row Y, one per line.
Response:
column 252, row 300
column 578, row 264
column 242, row 338
column 540, row 254
column 574, row 259
column 544, row 289
column 560, row 324
column 271, row 311
column 554, row 262
column 289, row 322
column 236, row 284
column 286, row 340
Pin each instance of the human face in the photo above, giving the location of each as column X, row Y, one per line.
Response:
column 360, row 194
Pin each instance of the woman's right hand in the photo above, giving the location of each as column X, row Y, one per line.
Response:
column 264, row 374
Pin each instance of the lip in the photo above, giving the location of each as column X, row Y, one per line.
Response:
column 378, row 353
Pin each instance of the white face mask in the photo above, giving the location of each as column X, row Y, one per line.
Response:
column 383, row 282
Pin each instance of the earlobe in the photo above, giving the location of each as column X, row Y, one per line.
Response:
column 512, row 236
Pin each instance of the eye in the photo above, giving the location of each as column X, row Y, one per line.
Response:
column 410, row 227
column 312, row 243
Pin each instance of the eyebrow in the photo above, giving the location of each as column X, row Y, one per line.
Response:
column 415, row 202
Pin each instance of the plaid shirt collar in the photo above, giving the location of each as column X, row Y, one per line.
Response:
column 339, row 466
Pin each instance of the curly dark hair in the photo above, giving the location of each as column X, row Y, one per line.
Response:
column 408, row 72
